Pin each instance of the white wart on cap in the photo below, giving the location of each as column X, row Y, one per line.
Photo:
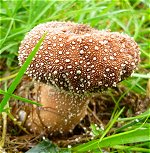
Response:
column 78, row 58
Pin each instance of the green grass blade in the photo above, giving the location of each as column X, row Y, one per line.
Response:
column 130, row 148
column 20, row 74
column 145, row 76
column 20, row 98
column 8, row 31
column 139, row 135
column 145, row 114
column 111, row 123
column 8, row 77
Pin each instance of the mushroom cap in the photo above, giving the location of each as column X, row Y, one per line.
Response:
column 79, row 58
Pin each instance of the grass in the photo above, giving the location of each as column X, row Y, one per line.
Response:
column 127, row 16
column 19, row 76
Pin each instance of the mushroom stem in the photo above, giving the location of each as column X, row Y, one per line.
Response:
column 61, row 111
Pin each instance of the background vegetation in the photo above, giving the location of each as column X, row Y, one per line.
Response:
column 17, row 17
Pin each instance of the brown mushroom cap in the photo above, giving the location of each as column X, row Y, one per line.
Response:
column 78, row 58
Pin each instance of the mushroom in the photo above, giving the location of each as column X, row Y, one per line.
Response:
column 74, row 60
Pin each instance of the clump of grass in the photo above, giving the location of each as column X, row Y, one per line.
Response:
column 128, row 16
